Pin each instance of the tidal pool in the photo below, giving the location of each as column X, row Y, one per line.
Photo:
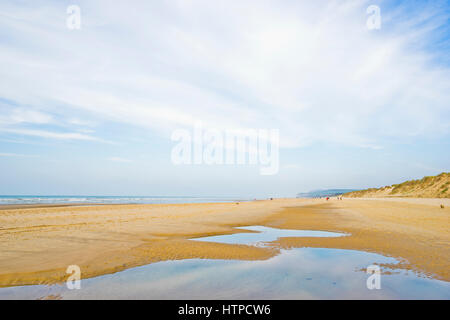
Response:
column 261, row 235
column 303, row 273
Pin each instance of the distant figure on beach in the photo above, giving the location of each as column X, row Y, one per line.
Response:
column 328, row 198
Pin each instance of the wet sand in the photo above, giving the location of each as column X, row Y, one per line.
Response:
column 415, row 232
column 37, row 244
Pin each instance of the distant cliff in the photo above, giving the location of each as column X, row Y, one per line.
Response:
column 427, row 187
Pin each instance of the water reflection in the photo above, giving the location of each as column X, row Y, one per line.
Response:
column 306, row 273
column 264, row 234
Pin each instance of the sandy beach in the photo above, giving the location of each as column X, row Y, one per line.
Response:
column 37, row 244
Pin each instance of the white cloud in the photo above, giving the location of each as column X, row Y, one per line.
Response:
column 23, row 115
column 308, row 68
column 16, row 155
column 52, row 135
column 81, row 122
column 118, row 159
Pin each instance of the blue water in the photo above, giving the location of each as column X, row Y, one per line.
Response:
column 262, row 235
column 306, row 273
column 31, row 199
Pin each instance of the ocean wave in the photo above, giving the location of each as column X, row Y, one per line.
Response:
column 8, row 200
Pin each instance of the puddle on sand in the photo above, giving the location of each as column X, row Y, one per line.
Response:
column 306, row 273
column 301, row 273
column 265, row 234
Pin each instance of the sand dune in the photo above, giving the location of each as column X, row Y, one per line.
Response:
column 427, row 187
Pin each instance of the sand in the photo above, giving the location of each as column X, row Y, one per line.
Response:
column 37, row 244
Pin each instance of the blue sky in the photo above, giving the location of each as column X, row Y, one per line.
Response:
column 91, row 111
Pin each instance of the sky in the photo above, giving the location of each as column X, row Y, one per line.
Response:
column 92, row 111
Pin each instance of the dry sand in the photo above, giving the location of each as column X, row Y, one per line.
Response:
column 37, row 244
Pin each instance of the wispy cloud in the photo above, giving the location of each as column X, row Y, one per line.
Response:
column 52, row 135
column 81, row 122
column 118, row 159
column 311, row 69
column 24, row 115
column 17, row 155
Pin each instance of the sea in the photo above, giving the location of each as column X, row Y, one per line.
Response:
column 64, row 199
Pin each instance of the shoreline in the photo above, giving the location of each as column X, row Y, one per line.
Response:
column 93, row 204
column 47, row 205
column 436, row 201
column 37, row 244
